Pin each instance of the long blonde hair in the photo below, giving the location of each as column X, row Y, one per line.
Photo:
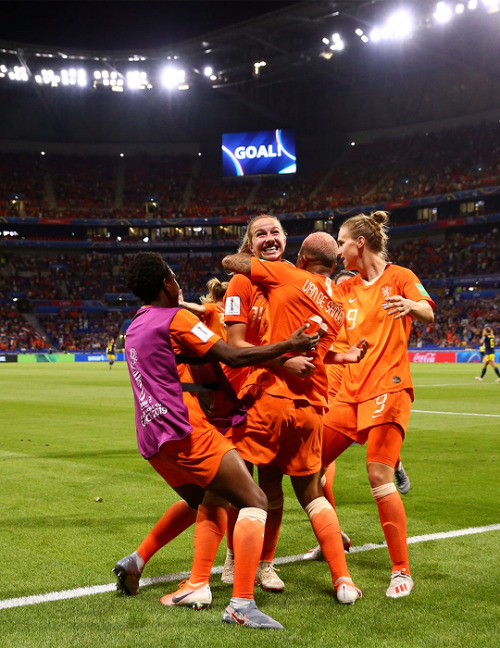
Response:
column 373, row 227
column 216, row 291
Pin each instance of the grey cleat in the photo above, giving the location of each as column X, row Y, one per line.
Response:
column 402, row 479
column 244, row 612
column 128, row 575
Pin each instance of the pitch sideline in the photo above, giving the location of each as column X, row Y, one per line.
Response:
column 111, row 587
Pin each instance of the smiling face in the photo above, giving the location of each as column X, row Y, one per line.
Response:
column 267, row 239
column 348, row 248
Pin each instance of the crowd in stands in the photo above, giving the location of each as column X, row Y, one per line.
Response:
column 171, row 187
column 70, row 282
column 16, row 334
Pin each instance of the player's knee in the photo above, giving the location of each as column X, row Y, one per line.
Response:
column 257, row 499
column 379, row 473
column 383, row 490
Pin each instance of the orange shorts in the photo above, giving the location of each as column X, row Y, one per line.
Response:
column 367, row 421
column 192, row 460
column 280, row 432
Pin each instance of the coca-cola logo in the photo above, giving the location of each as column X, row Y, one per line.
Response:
column 424, row 357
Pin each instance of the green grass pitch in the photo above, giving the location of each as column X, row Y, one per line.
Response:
column 76, row 496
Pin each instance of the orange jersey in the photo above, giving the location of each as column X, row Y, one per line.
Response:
column 335, row 372
column 296, row 297
column 244, row 303
column 213, row 318
column 190, row 337
column 385, row 367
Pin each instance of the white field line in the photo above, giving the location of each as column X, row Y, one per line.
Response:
column 455, row 384
column 417, row 411
column 111, row 587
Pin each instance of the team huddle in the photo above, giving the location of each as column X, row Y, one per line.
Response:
column 300, row 365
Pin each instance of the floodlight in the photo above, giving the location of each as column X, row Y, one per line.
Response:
column 359, row 32
column 460, row 8
column 492, row 6
column 134, row 81
column 400, row 24
column 172, row 77
column 82, row 77
column 375, row 35
column 442, row 13
column 208, row 71
column 471, row 5
column 337, row 43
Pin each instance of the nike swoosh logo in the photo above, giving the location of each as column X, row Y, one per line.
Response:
column 177, row 599
column 240, row 620
column 353, row 300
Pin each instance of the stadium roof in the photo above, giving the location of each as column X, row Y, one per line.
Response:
column 285, row 67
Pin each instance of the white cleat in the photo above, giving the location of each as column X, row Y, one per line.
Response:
column 401, row 584
column 267, row 577
column 347, row 592
column 227, row 575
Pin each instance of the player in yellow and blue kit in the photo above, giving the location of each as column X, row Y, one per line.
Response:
column 488, row 341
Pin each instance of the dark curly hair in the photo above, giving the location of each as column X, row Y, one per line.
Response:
column 146, row 273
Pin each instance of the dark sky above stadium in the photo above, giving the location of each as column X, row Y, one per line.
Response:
column 114, row 24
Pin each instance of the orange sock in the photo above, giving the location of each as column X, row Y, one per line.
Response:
column 272, row 531
column 174, row 521
column 393, row 520
column 247, row 540
column 211, row 524
column 327, row 483
column 327, row 530
column 232, row 516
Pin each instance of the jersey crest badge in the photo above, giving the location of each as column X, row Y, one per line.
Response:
column 232, row 306
column 386, row 291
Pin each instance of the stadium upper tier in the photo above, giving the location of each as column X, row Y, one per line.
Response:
column 179, row 187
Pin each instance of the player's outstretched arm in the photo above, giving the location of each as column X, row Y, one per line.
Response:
column 353, row 355
column 191, row 306
column 243, row 357
column 400, row 306
column 238, row 264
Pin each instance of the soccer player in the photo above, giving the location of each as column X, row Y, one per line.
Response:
column 335, row 374
column 245, row 306
column 374, row 401
column 211, row 309
column 110, row 351
column 283, row 426
column 488, row 341
column 174, row 435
